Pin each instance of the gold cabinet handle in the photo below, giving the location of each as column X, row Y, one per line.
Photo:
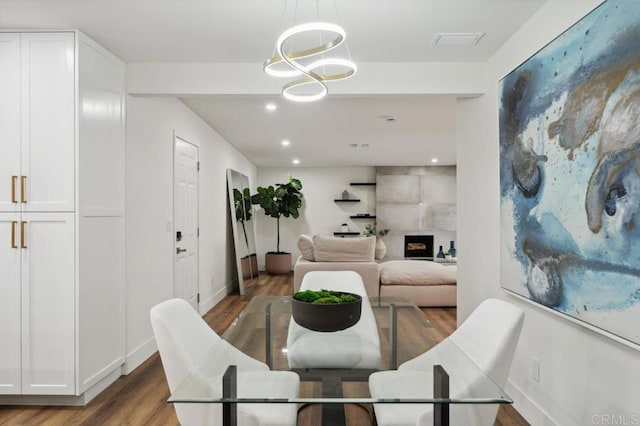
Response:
column 22, row 226
column 14, row 180
column 23, row 180
column 13, row 234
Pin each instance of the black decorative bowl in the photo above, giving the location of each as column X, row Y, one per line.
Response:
column 327, row 317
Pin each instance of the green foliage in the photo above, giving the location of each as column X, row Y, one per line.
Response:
column 285, row 199
column 370, row 230
column 242, row 204
column 324, row 297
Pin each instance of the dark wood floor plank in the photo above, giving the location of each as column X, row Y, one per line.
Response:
column 140, row 398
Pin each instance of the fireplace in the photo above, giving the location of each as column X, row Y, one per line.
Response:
column 418, row 246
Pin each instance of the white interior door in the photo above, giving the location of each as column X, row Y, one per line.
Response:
column 185, row 218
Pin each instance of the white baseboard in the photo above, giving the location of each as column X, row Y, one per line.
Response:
column 62, row 400
column 206, row 305
column 139, row 355
column 528, row 408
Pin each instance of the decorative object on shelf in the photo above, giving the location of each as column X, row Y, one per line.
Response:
column 303, row 62
column 440, row 254
column 344, row 228
column 345, row 195
column 381, row 247
column 452, row 249
column 326, row 310
column 285, row 199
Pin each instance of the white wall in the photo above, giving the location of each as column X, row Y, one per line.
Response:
column 319, row 214
column 584, row 376
column 150, row 239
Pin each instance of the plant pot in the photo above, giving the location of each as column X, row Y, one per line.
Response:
column 381, row 248
column 326, row 317
column 277, row 263
column 249, row 266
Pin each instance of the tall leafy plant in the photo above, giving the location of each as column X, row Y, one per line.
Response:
column 285, row 199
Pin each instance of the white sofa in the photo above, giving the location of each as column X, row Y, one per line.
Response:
column 425, row 283
column 327, row 253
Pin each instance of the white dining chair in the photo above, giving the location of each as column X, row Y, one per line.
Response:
column 185, row 340
column 488, row 338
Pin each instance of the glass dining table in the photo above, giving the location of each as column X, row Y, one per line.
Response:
column 260, row 331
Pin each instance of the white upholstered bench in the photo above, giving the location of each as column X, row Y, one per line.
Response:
column 355, row 347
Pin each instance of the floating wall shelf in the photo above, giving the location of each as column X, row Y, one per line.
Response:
column 350, row 200
column 362, row 184
column 342, row 234
column 363, row 217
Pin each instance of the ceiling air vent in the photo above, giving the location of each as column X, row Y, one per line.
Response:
column 456, row 39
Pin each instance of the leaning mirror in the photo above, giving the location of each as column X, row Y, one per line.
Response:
column 243, row 227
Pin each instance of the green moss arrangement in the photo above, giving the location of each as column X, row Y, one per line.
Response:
column 324, row 297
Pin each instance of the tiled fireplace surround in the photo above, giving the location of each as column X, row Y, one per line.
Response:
column 416, row 201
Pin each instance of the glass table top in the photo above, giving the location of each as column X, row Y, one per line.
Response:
column 260, row 331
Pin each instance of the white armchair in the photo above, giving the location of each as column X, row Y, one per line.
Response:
column 488, row 338
column 184, row 339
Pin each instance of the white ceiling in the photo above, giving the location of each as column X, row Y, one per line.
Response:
column 232, row 31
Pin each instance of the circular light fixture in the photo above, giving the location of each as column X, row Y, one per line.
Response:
column 296, row 69
column 271, row 106
column 285, row 142
column 434, row 160
column 296, row 161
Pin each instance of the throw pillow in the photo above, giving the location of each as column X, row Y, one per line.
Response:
column 335, row 249
column 305, row 245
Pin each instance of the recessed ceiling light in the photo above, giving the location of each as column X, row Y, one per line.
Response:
column 296, row 161
column 271, row 107
column 456, row 39
column 285, row 142
column 434, row 160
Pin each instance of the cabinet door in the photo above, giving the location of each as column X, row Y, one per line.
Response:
column 10, row 364
column 48, row 121
column 9, row 122
column 48, row 304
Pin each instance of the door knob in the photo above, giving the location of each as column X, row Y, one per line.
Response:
column 180, row 250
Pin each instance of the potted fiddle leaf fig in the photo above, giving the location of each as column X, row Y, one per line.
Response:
column 283, row 199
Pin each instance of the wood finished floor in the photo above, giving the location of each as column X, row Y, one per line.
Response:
column 140, row 398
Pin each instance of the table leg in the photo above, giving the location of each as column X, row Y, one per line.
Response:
column 267, row 327
column 230, row 391
column 440, row 391
column 393, row 337
column 332, row 414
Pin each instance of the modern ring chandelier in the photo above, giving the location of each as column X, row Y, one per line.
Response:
column 315, row 73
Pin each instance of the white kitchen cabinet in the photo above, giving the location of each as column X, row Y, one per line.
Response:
column 37, row 303
column 38, row 152
column 62, row 298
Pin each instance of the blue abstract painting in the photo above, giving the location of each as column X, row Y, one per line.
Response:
column 570, row 173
